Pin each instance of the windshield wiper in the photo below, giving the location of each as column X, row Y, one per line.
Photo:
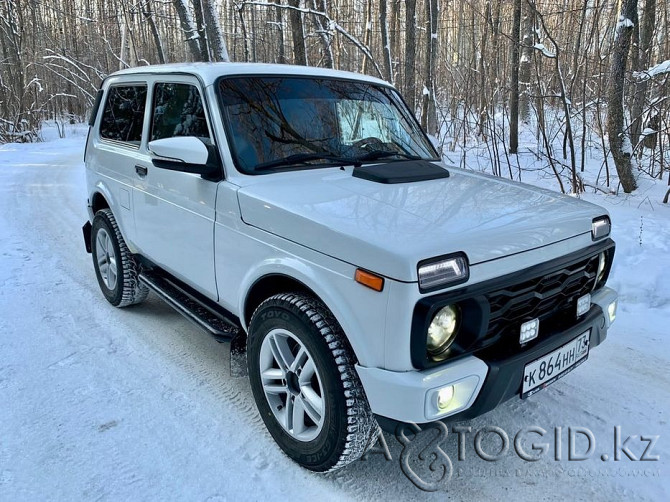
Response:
column 301, row 158
column 380, row 154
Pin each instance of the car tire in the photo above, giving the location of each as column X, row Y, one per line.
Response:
column 301, row 366
column 115, row 267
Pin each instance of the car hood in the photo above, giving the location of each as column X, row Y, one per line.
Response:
column 389, row 228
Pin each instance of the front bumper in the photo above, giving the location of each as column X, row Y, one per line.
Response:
column 481, row 381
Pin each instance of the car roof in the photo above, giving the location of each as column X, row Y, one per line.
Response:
column 209, row 72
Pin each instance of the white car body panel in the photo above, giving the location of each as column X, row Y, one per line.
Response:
column 246, row 254
column 390, row 228
column 406, row 395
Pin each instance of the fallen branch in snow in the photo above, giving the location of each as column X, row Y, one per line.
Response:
column 605, row 190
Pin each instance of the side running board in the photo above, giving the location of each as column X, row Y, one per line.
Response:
column 198, row 310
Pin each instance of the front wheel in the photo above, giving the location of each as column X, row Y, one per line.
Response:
column 305, row 384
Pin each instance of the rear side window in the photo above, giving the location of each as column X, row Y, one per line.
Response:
column 123, row 117
column 96, row 108
column 178, row 111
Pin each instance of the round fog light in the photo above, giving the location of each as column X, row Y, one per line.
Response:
column 444, row 397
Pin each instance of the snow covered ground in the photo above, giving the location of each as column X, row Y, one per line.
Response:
column 136, row 404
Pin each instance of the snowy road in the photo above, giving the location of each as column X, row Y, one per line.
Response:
column 102, row 403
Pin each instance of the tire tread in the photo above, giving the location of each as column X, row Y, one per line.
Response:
column 362, row 428
column 134, row 291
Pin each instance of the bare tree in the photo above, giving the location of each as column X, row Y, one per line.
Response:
column 514, row 81
column 214, row 32
column 619, row 141
column 368, row 35
column 429, row 114
column 148, row 14
column 190, row 29
column 409, row 75
column 299, row 55
column 279, row 20
column 526, row 62
column 54, row 53
column 386, row 43
column 644, row 53
column 202, row 30
column 324, row 33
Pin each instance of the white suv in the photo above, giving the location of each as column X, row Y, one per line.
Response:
column 303, row 216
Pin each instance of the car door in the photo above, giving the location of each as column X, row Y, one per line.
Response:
column 117, row 143
column 174, row 211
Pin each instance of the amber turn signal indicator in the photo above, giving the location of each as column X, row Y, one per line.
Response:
column 369, row 279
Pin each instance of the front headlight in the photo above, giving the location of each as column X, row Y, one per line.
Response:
column 442, row 331
column 600, row 228
column 602, row 262
column 602, row 269
column 444, row 271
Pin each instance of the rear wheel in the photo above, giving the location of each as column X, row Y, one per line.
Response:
column 305, row 384
column 115, row 267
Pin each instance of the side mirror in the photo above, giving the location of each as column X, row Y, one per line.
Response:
column 184, row 153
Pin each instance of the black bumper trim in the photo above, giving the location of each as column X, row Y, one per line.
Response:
column 504, row 377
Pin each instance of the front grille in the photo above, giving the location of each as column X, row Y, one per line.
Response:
column 494, row 310
column 551, row 298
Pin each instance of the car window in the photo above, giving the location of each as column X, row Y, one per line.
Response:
column 272, row 119
column 178, row 111
column 123, row 117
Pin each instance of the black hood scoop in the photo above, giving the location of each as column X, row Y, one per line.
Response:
column 406, row 171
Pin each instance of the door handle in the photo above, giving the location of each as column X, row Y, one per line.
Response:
column 141, row 170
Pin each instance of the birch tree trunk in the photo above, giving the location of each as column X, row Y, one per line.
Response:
column 214, row 32
column 620, row 144
column 646, row 33
column 189, row 29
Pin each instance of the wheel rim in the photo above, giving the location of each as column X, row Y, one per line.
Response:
column 292, row 385
column 104, row 254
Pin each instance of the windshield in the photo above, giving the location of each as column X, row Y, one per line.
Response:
column 276, row 123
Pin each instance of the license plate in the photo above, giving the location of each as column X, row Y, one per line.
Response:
column 547, row 369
